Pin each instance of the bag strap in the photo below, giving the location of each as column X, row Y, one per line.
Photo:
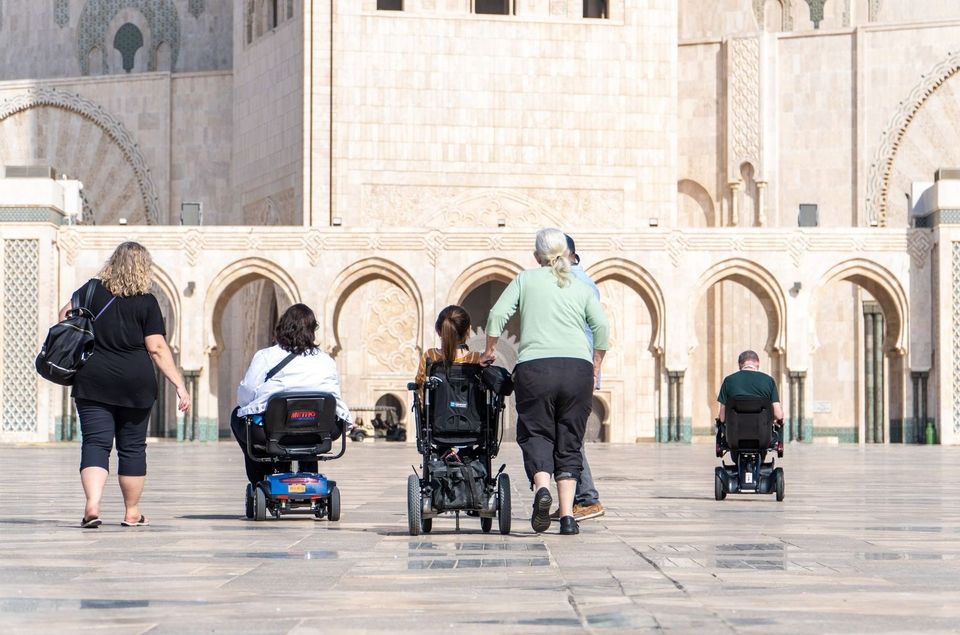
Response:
column 104, row 308
column 87, row 292
column 276, row 369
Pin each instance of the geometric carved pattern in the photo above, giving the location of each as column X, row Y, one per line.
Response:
column 919, row 244
column 21, row 274
column 955, row 317
column 744, row 103
column 816, row 12
column 196, row 7
column 391, row 330
column 161, row 16
column 878, row 186
column 113, row 128
column 61, row 12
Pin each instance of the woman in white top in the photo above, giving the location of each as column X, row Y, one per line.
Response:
column 311, row 370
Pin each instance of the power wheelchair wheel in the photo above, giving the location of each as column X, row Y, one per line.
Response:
column 778, row 475
column 719, row 493
column 333, row 505
column 259, row 504
column 414, row 505
column 486, row 524
column 426, row 525
column 249, row 501
column 503, row 503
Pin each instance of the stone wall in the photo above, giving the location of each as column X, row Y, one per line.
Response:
column 268, row 128
column 434, row 109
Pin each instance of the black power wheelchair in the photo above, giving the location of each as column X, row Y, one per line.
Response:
column 459, row 424
column 295, row 427
column 749, row 434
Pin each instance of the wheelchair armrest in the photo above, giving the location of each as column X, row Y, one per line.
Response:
column 413, row 385
column 343, row 441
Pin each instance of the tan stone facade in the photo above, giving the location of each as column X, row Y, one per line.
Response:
column 379, row 165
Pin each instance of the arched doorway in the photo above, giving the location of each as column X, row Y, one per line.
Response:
column 858, row 381
column 740, row 310
column 246, row 324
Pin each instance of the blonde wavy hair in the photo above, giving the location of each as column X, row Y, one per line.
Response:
column 551, row 251
column 128, row 271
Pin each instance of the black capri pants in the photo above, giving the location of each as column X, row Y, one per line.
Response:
column 554, row 398
column 100, row 423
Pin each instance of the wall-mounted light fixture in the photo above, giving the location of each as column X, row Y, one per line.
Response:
column 336, row 221
column 654, row 222
column 501, row 222
column 795, row 289
column 188, row 291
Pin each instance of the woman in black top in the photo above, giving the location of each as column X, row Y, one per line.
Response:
column 116, row 388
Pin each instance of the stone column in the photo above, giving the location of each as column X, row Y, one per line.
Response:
column 762, row 203
column 869, row 378
column 879, row 401
column 803, row 434
column 792, row 425
column 735, row 187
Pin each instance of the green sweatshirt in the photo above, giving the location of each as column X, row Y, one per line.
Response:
column 551, row 317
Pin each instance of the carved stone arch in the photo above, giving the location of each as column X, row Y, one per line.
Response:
column 516, row 208
column 169, row 288
column 97, row 115
column 96, row 16
column 760, row 11
column 480, row 273
column 638, row 278
column 353, row 277
column 761, row 282
column 881, row 170
column 879, row 282
column 701, row 197
column 232, row 278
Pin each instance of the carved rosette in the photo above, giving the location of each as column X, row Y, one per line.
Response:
column 391, row 330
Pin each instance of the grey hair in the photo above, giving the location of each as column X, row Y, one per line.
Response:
column 551, row 248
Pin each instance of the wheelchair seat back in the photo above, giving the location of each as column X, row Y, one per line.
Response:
column 300, row 424
column 749, row 423
column 458, row 404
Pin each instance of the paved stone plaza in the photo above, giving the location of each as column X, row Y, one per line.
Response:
column 866, row 540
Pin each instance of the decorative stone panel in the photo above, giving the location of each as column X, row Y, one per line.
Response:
column 21, row 271
column 759, row 10
column 955, row 316
column 95, row 19
column 743, row 61
column 442, row 207
column 61, row 12
column 197, row 7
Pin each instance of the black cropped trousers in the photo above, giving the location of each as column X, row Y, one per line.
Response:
column 100, row 424
column 554, row 398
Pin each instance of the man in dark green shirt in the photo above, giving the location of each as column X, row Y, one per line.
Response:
column 749, row 382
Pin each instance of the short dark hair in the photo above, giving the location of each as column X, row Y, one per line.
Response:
column 748, row 356
column 296, row 330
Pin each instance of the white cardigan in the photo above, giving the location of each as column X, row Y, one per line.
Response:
column 315, row 372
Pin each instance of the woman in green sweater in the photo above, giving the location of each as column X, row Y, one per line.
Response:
column 555, row 374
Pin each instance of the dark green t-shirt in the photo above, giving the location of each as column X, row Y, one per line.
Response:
column 748, row 383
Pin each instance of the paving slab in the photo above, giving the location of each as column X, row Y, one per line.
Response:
column 867, row 540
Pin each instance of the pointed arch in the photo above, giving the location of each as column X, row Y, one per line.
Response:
column 640, row 280
column 759, row 280
column 354, row 276
column 885, row 289
column 232, row 278
column 479, row 273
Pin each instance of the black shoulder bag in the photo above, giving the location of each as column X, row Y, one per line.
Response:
column 69, row 344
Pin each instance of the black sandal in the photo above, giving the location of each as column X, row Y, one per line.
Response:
column 90, row 523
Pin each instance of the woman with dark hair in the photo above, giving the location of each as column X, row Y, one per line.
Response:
column 295, row 364
column 453, row 327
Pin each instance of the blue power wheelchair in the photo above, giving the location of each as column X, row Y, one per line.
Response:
column 295, row 427
column 749, row 434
